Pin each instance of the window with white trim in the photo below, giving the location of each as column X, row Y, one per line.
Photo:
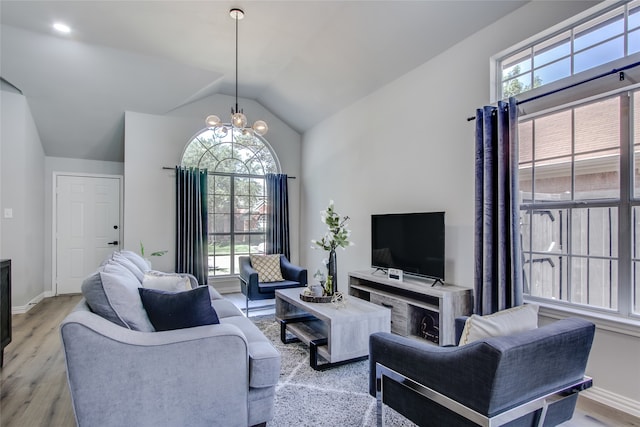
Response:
column 236, row 164
column 601, row 39
column 579, row 154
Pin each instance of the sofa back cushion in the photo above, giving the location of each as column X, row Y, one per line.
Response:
column 140, row 262
column 112, row 293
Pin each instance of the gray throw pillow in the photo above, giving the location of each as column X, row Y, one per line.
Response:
column 124, row 299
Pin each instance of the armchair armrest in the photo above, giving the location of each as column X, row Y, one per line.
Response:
column 247, row 274
column 293, row 272
column 109, row 367
column 494, row 374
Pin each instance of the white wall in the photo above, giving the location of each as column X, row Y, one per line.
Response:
column 408, row 147
column 75, row 166
column 152, row 142
column 22, row 183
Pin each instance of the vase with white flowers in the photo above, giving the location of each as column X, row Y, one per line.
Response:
column 337, row 235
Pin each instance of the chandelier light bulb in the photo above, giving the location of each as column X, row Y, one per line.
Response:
column 260, row 127
column 239, row 120
column 220, row 131
column 212, row 121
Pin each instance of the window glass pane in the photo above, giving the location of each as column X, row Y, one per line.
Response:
column 525, row 155
column 516, row 64
column 598, row 55
column 634, row 15
column 516, row 85
column 552, row 145
column 220, row 184
column 548, row 230
column 242, row 244
column 553, row 180
column 598, row 125
column 552, row 49
column 597, row 167
column 552, row 136
column 603, row 283
column 257, row 243
column 219, row 223
column 633, row 42
column 219, row 250
column 193, row 153
column 599, row 29
column 547, row 276
column 552, row 72
column 594, row 232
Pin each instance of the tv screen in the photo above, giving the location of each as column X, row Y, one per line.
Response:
column 411, row 242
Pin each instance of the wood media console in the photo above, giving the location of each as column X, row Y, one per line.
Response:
column 418, row 310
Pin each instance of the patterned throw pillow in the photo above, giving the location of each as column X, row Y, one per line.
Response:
column 268, row 267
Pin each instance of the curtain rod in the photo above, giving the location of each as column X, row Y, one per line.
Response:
column 620, row 72
column 173, row 168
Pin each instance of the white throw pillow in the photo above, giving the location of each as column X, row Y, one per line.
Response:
column 166, row 281
column 505, row 322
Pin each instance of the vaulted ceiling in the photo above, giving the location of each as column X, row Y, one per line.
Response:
column 302, row 60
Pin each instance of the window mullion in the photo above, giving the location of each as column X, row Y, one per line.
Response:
column 625, row 285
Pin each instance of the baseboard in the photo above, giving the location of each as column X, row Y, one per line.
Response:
column 613, row 400
column 21, row 309
column 226, row 287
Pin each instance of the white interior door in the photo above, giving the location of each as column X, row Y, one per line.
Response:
column 87, row 227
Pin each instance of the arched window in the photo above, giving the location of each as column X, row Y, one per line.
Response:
column 237, row 164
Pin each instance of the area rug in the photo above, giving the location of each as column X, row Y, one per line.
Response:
column 335, row 397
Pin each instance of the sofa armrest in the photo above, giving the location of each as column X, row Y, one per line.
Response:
column 109, row 366
column 293, row 272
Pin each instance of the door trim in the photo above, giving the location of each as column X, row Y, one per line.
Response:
column 54, row 216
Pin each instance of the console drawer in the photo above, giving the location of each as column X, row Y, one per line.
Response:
column 398, row 312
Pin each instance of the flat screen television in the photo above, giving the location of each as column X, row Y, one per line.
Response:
column 411, row 242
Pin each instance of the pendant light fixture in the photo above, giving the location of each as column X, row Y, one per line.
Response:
column 238, row 119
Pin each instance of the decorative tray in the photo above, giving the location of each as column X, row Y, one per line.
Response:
column 311, row 298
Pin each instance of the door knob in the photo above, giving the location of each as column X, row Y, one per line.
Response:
column 115, row 242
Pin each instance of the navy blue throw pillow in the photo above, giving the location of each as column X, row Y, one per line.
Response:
column 177, row 310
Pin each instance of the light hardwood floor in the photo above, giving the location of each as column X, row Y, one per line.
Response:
column 33, row 383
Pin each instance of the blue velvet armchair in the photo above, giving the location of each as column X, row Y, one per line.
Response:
column 528, row 379
column 294, row 277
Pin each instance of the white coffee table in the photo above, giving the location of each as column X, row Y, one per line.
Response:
column 337, row 334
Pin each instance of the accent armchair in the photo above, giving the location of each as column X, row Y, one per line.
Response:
column 530, row 378
column 253, row 289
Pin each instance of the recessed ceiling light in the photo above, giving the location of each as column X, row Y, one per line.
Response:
column 62, row 28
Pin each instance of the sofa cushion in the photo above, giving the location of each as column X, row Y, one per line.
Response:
column 122, row 292
column 268, row 267
column 165, row 281
column 505, row 322
column 264, row 359
column 178, row 310
column 125, row 262
column 140, row 262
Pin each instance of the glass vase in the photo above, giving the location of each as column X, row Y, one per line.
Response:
column 332, row 270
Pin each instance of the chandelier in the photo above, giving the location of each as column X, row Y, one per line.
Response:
column 238, row 119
